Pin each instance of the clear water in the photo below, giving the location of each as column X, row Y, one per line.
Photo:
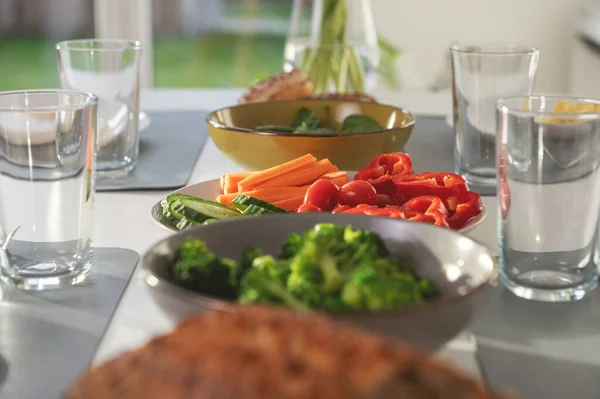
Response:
column 549, row 209
column 475, row 149
column 117, row 136
column 296, row 50
column 46, row 206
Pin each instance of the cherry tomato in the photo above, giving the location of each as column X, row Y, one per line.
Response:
column 383, row 200
column 357, row 192
column 308, row 207
column 323, row 194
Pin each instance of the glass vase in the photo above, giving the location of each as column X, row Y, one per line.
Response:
column 335, row 43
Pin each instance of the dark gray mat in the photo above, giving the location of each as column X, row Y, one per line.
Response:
column 47, row 339
column 169, row 148
column 431, row 147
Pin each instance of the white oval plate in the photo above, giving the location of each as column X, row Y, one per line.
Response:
column 210, row 189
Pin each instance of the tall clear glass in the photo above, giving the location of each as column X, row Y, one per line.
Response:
column 549, row 196
column 481, row 74
column 110, row 69
column 47, row 161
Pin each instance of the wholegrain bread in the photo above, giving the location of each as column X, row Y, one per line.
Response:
column 261, row 353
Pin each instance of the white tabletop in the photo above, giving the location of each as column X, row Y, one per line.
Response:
column 137, row 318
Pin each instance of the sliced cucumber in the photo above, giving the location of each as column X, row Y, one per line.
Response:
column 185, row 223
column 209, row 209
column 253, row 210
column 242, row 202
column 166, row 213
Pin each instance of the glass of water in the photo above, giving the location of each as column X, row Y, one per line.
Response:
column 481, row 74
column 110, row 69
column 47, row 160
column 549, row 196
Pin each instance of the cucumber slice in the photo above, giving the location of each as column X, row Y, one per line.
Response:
column 177, row 207
column 167, row 215
column 185, row 223
column 209, row 209
column 242, row 202
column 253, row 210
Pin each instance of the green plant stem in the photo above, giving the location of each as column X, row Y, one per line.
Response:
column 335, row 62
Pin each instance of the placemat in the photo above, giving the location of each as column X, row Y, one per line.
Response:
column 431, row 146
column 48, row 338
column 169, row 148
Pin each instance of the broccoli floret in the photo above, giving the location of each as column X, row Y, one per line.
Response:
column 327, row 257
column 291, row 246
column 377, row 288
column 265, row 282
column 199, row 269
column 248, row 257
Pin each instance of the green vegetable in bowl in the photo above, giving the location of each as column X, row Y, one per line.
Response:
column 330, row 268
column 306, row 122
column 199, row 269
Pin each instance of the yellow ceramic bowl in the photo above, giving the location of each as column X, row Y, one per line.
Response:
column 231, row 129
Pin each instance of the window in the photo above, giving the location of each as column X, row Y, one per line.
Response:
column 218, row 43
column 28, row 31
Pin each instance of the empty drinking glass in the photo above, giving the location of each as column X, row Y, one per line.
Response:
column 47, row 159
column 480, row 76
column 549, row 196
column 110, row 69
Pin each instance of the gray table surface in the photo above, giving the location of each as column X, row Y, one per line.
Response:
column 48, row 338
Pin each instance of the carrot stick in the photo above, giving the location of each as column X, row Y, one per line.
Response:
column 257, row 178
column 290, row 204
column 229, row 181
column 266, row 194
column 299, row 177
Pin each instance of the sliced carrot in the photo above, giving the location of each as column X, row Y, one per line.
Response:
column 299, row 177
column 290, row 204
column 333, row 169
column 336, row 176
column 257, row 178
column 229, row 181
column 271, row 194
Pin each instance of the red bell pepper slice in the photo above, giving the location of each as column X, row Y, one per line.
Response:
column 464, row 206
column 371, row 210
column 341, row 208
column 429, row 205
column 440, row 184
column 395, row 163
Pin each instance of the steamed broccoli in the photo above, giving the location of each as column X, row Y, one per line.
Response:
column 291, row 246
column 265, row 282
column 329, row 268
column 378, row 286
column 248, row 257
column 326, row 258
column 199, row 269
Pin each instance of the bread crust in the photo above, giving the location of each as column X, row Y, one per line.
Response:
column 260, row 353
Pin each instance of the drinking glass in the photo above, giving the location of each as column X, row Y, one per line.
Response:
column 481, row 74
column 47, row 159
column 549, row 196
column 110, row 69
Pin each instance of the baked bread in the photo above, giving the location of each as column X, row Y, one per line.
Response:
column 260, row 353
column 283, row 86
